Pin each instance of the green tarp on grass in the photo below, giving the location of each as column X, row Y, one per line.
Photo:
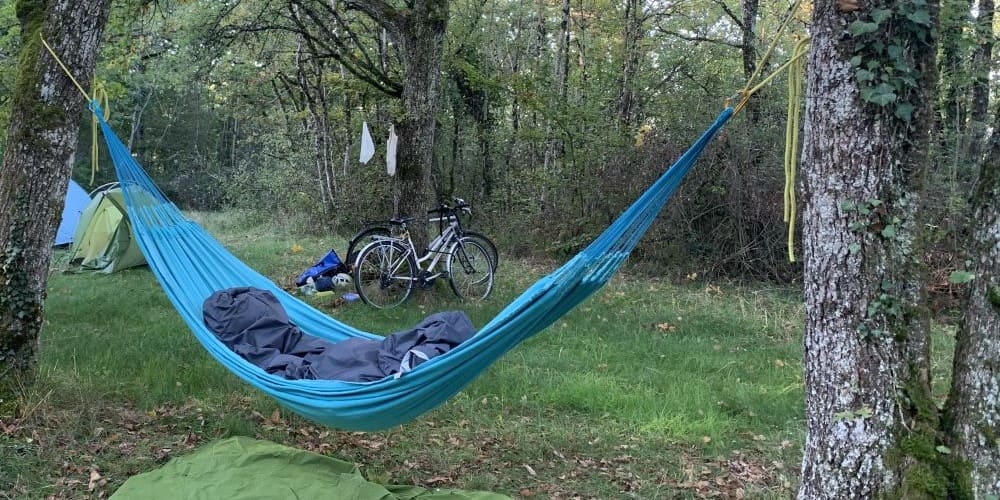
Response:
column 244, row 468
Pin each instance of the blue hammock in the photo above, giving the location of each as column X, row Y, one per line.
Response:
column 190, row 265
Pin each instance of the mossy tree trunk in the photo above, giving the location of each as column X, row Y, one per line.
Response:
column 421, row 34
column 973, row 408
column 41, row 141
column 871, row 426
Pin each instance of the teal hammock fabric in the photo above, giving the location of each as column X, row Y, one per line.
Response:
column 190, row 265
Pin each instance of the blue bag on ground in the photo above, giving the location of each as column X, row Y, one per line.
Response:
column 329, row 265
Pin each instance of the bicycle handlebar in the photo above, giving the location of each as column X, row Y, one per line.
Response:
column 446, row 210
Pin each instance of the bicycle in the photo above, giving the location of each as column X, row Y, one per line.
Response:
column 377, row 228
column 387, row 270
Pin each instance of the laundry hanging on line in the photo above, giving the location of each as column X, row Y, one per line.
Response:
column 390, row 153
column 367, row 145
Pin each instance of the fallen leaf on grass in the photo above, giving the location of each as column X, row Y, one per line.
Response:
column 96, row 480
column 162, row 454
column 531, row 472
column 8, row 428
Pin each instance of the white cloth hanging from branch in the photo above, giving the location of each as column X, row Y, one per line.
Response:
column 390, row 153
column 367, row 145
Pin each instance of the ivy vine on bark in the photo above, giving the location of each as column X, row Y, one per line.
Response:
column 882, row 59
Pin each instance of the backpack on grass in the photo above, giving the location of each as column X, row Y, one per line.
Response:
column 323, row 271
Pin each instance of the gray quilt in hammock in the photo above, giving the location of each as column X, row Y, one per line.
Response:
column 253, row 324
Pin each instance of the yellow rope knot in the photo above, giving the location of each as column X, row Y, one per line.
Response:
column 100, row 98
column 796, row 67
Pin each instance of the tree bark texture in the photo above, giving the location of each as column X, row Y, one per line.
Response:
column 974, row 403
column 954, row 75
column 422, row 40
column 981, row 66
column 631, row 58
column 748, row 49
column 41, row 141
column 866, row 396
column 310, row 79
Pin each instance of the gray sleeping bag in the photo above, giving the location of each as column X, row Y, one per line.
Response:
column 253, row 324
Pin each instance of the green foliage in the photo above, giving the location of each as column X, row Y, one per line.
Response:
column 883, row 63
column 219, row 118
column 9, row 42
column 928, row 468
column 993, row 294
column 863, row 412
column 21, row 310
column 961, row 277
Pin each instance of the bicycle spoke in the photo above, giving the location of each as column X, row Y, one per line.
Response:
column 470, row 270
column 384, row 277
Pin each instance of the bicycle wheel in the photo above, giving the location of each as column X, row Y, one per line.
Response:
column 470, row 270
column 384, row 273
column 486, row 244
column 361, row 239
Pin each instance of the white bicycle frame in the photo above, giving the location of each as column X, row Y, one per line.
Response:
column 435, row 250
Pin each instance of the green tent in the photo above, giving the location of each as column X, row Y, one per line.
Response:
column 104, row 241
column 245, row 468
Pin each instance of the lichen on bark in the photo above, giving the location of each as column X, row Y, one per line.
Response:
column 41, row 141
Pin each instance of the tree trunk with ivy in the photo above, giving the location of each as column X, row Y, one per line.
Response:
column 871, row 425
column 973, row 408
column 41, row 141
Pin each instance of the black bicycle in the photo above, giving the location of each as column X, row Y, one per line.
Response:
column 443, row 217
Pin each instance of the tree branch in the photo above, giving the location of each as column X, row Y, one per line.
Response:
column 697, row 38
column 732, row 15
column 382, row 13
column 333, row 45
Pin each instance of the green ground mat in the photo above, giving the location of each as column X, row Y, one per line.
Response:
column 244, row 468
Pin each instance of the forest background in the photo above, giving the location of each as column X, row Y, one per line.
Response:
column 552, row 116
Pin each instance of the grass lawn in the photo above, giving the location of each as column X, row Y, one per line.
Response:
column 650, row 389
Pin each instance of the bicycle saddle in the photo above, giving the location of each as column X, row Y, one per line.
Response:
column 400, row 221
